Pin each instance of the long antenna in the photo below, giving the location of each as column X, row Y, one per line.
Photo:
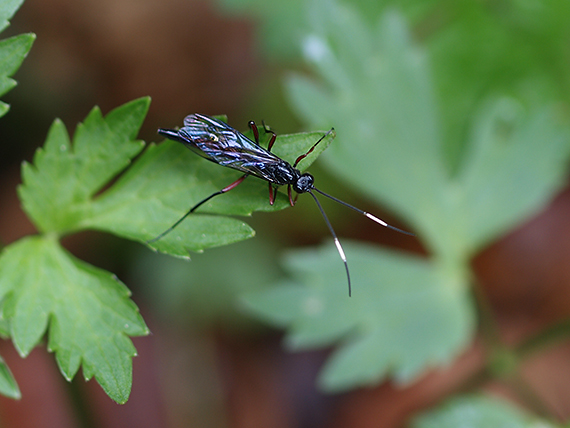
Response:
column 364, row 213
column 336, row 241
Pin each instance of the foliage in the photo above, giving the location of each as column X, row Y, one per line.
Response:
column 477, row 411
column 65, row 190
column 12, row 50
column 12, row 53
column 463, row 154
column 86, row 311
column 403, row 314
column 458, row 191
column 515, row 163
column 71, row 186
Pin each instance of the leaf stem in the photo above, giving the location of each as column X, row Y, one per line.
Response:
column 526, row 393
column 548, row 337
column 488, row 323
column 503, row 362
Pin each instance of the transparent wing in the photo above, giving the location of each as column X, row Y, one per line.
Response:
column 222, row 144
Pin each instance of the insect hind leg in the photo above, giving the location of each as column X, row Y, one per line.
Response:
column 195, row 207
column 308, row 152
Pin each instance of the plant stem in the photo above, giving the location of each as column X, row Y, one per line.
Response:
column 547, row 337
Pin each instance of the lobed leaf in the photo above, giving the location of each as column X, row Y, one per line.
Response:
column 12, row 50
column 478, row 411
column 515, row 163
column 375, row 86
column 86, row 311
column 58, row 187
column 8, row 386
column 386, row 117
column 189, row 179
column 405, row 313
column 7, row 10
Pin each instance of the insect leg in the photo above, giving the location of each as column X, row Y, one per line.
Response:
column 255, row 131
column 219, row 192
column 291, row 200
column 303, row 156
column 271, row 140
column 267, row 130
column 272, row 194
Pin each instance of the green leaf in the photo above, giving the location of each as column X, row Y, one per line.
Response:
column 87, row 312
column 8, row 385
column 61, row 190
column 12, row 53
column 280, row 23
column 515, row 163
column 7, row 10
column 290, row 146
column 158, row 190
column 478, row 411
column 12, row 50
column 374, row 85
column 58, row 187
column 378, row 92
column 169, row 179
column 467, row 70
column 405, row 313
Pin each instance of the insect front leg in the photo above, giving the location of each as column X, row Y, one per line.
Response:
column 203, row 201
column 272, row 194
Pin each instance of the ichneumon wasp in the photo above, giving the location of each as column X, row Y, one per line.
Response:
column 220, row 143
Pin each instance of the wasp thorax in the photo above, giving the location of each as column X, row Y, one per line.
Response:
column 304, row 183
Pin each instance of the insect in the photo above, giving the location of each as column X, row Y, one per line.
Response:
column 219, row 143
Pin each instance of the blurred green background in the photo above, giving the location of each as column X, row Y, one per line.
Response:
column 452, row 122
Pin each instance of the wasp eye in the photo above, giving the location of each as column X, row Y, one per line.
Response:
column 214, row 137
